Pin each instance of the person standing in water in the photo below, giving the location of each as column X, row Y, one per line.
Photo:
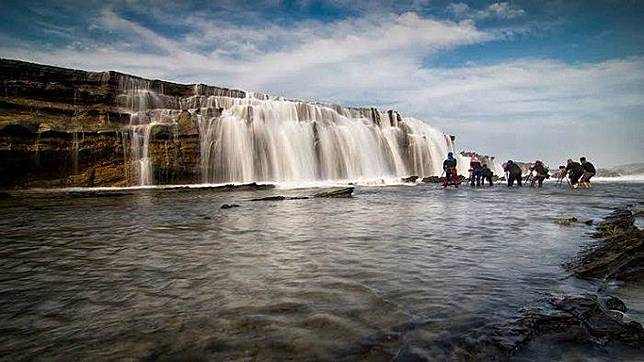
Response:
column 475, row 170
column 449, row 167
column 541, row 173
column 513, row 172
column 589, row 172
column 575, row 171
column 486, row 174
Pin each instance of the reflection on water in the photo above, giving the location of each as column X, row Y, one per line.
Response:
column 167, row 273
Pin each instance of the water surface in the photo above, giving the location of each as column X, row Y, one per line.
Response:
column 161, row 273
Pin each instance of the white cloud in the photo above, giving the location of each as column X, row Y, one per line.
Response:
column 501, row 10
column 498, row 10
column 520, row 107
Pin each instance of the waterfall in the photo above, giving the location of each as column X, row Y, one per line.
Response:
column 263, row 139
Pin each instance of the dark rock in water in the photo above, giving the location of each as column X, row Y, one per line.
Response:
column 97, row 194
column 410, row 354
column 432, row 180
column 588, row 222
column 228, row 206
column 614, row 303
column 346, row 192
column 618, row 222
column 4, row 195
column 597, row 320
column 253, row 186
column 410, row 179
column 280, row 198
column 620, row 255
column 566, row 221
column 581, row 318
column 270, row 198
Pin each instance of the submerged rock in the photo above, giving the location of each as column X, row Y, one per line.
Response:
column 432, row 180
column 614, row 303
column 573, row 319
column 228, row 206
column 566, row 221
column 271, row 198
column 341, row 193
column 410, row 179
column 599, row 322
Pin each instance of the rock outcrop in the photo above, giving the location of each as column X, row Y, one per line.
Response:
column 618, row 255
column 61, row 127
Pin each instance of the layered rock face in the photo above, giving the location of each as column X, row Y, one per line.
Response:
column 61, row 128
column 64, row 128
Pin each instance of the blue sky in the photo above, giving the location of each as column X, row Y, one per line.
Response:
column 517, row 79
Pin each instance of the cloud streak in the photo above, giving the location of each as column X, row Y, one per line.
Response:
column 381, row 60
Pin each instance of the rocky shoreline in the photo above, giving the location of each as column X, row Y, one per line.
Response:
column 590, row 319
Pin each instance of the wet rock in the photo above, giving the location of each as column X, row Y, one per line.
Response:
column 566, row 221
column 614, row 303
column 228, row 206
column 341, row 193
column 280, row 198
column 16, row 130
column 432, row 179
column 410, row 179
column 620, row 255
column 187, row 126
column 270, row 198
column 599, row 322
column 588, row 222
column 253, row 186
column 161, row 132
column 410, row 354
column 44, row 109
column 618, row 222
column 578, row 319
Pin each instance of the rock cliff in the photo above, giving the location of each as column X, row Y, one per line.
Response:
column 62, row 127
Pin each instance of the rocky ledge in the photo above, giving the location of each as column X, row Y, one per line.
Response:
column 62, row 127
column 619, row 254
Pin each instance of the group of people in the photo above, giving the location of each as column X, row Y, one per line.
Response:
column 578, row 173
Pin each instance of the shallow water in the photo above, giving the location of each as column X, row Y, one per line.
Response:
column 159, row 273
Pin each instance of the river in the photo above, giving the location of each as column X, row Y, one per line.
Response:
column 166, row 273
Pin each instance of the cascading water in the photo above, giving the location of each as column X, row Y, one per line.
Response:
column 274, row 140
column 147, row 108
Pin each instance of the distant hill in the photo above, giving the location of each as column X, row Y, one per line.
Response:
column 622, row 170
